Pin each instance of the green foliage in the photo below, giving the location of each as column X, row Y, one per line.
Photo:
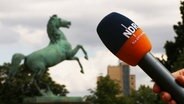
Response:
column 107, row 92
column 144, row 95
column 179, row 64
column 175, row 49
column 12, row 91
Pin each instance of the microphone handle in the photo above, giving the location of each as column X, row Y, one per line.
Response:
column 162, row 77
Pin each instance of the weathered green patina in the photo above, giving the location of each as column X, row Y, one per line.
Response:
column 58, row 50
column 54, row 100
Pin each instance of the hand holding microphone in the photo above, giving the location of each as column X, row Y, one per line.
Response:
column 179, row 76
column 130, row 44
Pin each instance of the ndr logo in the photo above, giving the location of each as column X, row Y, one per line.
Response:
column 129, row 31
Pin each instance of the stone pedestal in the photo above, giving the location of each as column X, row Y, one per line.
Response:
column 54, row 100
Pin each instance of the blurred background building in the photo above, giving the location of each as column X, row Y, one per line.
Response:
column 121, row 75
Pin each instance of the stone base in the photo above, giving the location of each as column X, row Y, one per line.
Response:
column 54, row 100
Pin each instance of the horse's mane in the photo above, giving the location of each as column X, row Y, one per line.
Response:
column 51, row 30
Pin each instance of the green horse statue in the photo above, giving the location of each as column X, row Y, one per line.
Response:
column 58, row 50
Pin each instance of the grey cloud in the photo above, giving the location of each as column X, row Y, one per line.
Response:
column 84, row 14
column 84, row 21
column 30, row 22
column 8, row 36
column 158, row 36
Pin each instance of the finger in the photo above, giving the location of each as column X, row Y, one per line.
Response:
column 166, row 96
column 172, row 102
column 178, row 73
column 180, row 80
column 156, row 88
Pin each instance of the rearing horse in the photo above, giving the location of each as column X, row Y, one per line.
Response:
column 58, row 50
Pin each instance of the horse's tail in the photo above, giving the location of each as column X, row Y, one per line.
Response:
column 15, row 64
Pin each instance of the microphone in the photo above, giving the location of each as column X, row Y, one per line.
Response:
column 130, row 44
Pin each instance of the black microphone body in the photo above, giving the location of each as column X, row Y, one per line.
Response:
column 130, row 44
column 162, row 77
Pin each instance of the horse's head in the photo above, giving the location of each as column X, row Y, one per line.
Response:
column 58, row 22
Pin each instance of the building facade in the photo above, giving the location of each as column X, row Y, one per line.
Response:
column 121, row 75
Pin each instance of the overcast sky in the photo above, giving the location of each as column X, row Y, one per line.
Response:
column 23, row 30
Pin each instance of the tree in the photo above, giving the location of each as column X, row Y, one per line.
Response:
column 175, row 49
column 145, row 95
column 179, row 64
column 106, row 92
column 13, row 91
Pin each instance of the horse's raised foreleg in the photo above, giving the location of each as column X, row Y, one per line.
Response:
column 77, row 59
column 76, row 49
column 84, row 51
column 72, row 53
